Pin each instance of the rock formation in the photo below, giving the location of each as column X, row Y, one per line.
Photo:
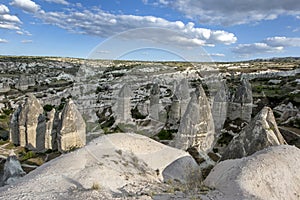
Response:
column 272, row 173
column 28, row 122
column 196, row 126
column 123, row 111
column 219, row 107
column 49, row 137
column 180, row 100
column 24, row 82
column 113, row 161
column 154, row 102
column 73, row 129
column 14, row 133
column 242, row 102
column 37, row 131
column 41, row 133
column 12, row 169
column 183, row 95
column 261, row 133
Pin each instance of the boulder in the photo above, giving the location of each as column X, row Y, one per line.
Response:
column 110, row 162
column 272, row 173
column 177, row 170
column 196, row 126
column 242, row 103
column 12, row 169
column 72, row 129
column 260, row 133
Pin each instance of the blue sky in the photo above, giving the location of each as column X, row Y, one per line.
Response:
column 195, row 30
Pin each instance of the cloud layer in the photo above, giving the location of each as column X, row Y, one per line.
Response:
column 8, row 21
column 26, row 5
column 232, row 12
column 269, row 45
column 104, row 24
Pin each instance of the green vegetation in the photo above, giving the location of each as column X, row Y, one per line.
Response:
column 48, row 107
column 166, row 134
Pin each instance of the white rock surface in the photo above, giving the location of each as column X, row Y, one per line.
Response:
column 28, row 122
column 123, row 111
column 73, row 129
column 196, row 126
column 111, row 161
column 272, row 173
column 261, row 133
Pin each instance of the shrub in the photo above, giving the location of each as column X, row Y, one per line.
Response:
column 166, row 134
column 48, row 107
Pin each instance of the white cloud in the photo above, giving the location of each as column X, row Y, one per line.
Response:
column 3, row 9
column 63, row 2
column 283, row 41
column 217, row 54
column 26, row 5
column 256, row 48
column 3, row 41
column 9, row 18
column 268, row 45
column 104, row 24
column 8, row 21
column 232, row 12
column 26, row 41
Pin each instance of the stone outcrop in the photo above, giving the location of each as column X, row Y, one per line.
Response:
column 180, row 100
column 4, row 87
column 182, row 93
column 154, row 102
column 241, row 104
column 24, row 82
column 219, row 107
column 28, row 122
column 32, row 128
column 178, row 169
column 73, row 129
column 123, row 110
column 196, row 126
column 49, row 137
column 14, row 133
column 261, row 133
column 12, row 169
column 272, row 173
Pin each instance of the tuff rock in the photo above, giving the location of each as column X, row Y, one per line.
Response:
column 196, row 126
column 73, row 129
column 12, row 169
column 242, row 102
column 261, row 133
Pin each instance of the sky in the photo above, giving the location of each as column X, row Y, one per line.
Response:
column 193, row 30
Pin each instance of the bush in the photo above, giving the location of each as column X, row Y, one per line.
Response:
column 166, row 134
column 48, row 107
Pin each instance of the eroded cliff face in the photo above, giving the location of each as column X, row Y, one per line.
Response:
column 73, row 129
column 261, row 133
